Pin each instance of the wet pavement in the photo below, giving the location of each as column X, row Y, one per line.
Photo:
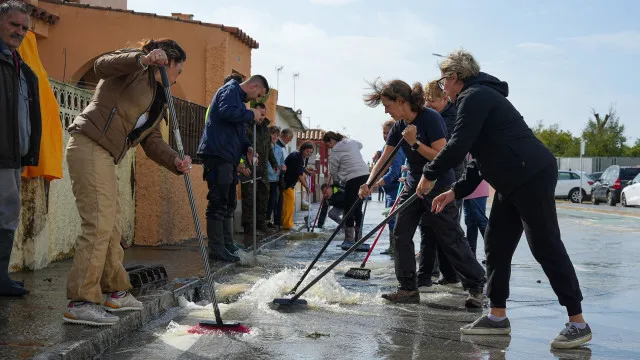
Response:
column 33, row 324
column 347, row 319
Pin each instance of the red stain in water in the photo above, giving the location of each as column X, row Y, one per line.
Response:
column 215, row 330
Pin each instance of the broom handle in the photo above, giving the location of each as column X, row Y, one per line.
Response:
column 355, row 246
column 318, row 213
column 364, row 262
column 192, row 202
column 255, row 189
column 344, row 218
column 359, row 234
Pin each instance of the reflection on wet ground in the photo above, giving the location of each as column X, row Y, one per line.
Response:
column 347, row 318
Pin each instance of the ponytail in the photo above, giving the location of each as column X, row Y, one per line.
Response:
column 417, row 97
column 170, row 47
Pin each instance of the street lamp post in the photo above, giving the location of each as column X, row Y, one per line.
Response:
column 278, row 69
column 295, row 76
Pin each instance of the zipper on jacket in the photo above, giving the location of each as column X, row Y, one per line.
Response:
column 106, row 127
column 128, row 141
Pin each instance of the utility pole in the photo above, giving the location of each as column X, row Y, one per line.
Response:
column 582, row 148
column 278, row 69
column 295, row 76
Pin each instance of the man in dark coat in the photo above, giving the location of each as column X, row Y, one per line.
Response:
column 20, row 131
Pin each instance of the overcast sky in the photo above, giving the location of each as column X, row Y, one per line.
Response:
column 560, row 58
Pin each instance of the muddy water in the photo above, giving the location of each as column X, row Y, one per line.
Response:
column 347, row 318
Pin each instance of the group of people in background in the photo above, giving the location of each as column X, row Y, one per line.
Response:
column 228, row 155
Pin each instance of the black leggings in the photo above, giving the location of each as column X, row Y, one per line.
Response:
column 351, row 190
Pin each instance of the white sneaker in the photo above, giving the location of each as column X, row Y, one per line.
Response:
column 122, row 303
column 88, row 314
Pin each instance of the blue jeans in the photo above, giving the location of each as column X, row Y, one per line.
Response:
column 475, row 219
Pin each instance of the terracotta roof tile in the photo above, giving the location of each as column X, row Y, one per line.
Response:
column 40, row 13
column 237, row 33
column 311, row 134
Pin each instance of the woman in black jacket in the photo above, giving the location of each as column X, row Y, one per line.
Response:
column 524, row 174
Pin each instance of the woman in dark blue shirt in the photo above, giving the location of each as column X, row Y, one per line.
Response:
column 295, row 164
column 424, row 134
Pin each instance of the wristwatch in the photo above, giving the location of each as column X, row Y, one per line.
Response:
column 415, row 146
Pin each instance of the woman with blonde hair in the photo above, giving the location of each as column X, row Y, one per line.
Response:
column 524, row 173
column 126, row 110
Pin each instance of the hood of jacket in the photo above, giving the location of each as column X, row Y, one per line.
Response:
column 490, row 81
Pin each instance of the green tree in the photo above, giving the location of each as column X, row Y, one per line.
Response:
column 604, row 135
column 561, row 142
column 633, row 151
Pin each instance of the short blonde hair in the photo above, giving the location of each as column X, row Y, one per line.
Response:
column 388, row 123
column 432, row 91
column 461, row 63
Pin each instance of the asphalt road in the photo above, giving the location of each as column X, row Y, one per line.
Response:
column 347, row 319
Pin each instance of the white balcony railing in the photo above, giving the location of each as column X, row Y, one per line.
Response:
column 72, row 100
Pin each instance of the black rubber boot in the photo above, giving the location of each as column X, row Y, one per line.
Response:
column 8, row 287
column 217, row 250
column 227, row 231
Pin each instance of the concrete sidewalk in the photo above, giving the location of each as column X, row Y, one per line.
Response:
column 32, row 326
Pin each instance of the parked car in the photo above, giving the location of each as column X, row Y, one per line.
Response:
column 568, row 186
column 595, row 176
column 631, row 194
column 610, row 185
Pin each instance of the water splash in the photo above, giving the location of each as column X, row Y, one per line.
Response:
column 247, row 259
column 327, row 293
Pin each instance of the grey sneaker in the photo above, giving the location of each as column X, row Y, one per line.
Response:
column 88, row 314
column 571, row 337
column 484, row 326
column 122, row 303
column 474, row 300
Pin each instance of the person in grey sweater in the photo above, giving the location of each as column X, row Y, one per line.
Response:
column 347, row 166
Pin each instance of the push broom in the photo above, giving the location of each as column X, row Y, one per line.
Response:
column 295, row 300
column 344, row 219
column 360, row 272
column 324, row 198
column 204, row 325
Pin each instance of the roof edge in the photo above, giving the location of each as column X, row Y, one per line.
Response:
column 234, row 31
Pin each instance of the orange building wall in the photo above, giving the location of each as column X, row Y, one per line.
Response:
column 76, row 40
column 163, row 215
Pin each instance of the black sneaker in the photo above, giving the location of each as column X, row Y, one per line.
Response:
column 271, row 226
column 474, row 300
column 484, row 326
column 571, row 337
column 447, row 282
column 403, row 296
column 424, row 284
